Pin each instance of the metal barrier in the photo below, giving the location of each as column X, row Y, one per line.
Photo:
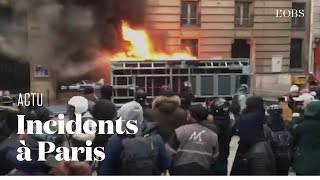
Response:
column 209, row 78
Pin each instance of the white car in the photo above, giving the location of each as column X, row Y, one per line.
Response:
column 84, row 84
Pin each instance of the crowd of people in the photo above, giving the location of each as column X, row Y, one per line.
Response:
column 176, row 137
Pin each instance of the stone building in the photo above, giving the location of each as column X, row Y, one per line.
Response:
column 240, row 28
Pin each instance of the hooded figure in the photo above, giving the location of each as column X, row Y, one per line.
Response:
column 131, row 111
column 306, row 142
column 103, row 110
column 254, row 155
column 117, row 147
column 166, row 111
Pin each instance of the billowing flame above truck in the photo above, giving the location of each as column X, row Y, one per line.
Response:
column 141, row 47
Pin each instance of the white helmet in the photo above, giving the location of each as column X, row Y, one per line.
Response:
column 79, row 103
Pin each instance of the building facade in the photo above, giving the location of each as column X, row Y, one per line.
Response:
column 278, row 46
column 315, row 37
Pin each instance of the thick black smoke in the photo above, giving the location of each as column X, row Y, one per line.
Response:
column 72, row 33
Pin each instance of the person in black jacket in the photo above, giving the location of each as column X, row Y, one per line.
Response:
column 186, row 97
column 254, row 155
column 141, row 98
column 221, row 119
column 166, row 111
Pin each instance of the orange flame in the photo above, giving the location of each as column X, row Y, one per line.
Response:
column 141, row 47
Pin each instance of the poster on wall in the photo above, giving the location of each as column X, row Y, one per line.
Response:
column 41, row 71
column 276, row 63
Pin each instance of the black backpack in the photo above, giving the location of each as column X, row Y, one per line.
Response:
column 281, row 143
column 235, row 106
column 139, row 155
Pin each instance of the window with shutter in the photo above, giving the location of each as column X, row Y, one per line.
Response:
column 298, row 22
column 189, row 13
column 243, row 15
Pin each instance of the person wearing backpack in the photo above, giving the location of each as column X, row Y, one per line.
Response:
column 281, row 138
column 196, row 146
column 254, row 155
column 141, row 154
column 238, row 102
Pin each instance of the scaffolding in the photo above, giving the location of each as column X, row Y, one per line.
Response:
column 209, row 78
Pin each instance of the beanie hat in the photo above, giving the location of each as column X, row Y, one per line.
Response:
column 199, row 113
column 294, row 88
column 312, row 110
column 255, row 103
column 88, row 90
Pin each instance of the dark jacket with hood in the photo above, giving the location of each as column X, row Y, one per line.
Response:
column 225, row 133
column 307, row 142
column 103, row 110
column 254, row 155
column 169, row 116
column 223, row 126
